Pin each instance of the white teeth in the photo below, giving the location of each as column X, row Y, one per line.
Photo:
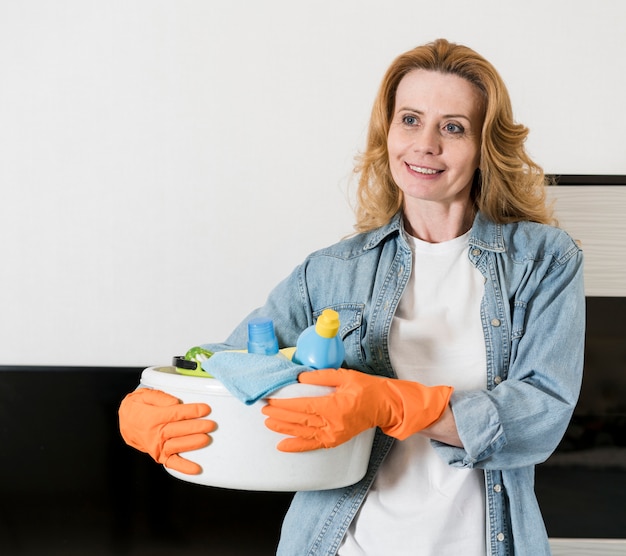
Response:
column 421, row 170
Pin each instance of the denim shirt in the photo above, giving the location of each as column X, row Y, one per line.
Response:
column 533, row 319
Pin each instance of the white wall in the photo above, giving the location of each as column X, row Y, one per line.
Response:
column 164, row 163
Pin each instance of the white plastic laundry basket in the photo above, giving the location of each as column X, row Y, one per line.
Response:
column 243, row 454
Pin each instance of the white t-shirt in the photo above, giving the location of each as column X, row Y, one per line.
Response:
column 419, row 505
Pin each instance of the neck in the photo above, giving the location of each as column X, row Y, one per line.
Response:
column 439, row 224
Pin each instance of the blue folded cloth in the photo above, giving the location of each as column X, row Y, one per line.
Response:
column 250, row 376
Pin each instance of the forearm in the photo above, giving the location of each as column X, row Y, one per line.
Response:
column 444, row 430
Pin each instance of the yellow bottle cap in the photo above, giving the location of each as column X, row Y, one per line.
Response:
column 327, row 324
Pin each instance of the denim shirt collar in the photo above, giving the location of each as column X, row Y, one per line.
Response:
column 485, row 233
column 395, row 225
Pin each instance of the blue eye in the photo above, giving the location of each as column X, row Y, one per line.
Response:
column 454, row 128
column 409, row 120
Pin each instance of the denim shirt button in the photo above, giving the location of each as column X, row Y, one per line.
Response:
column 476, row 252
column 495, row 322
column 500, row 536
column 498, row 379
column 497, row 488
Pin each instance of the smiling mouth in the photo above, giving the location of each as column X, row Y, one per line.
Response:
column 425, row 171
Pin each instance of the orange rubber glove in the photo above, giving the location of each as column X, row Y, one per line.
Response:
column 361, row 401
column 160, row 425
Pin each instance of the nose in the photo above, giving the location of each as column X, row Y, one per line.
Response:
column 427, row 141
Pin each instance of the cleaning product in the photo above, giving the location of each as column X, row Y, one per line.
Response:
column 261, row 340
column 262, row 337
column 191, row 363
column 319, row 346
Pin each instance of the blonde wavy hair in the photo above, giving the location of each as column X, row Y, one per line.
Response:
column 507, row 187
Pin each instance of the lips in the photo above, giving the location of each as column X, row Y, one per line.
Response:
column 424, row 170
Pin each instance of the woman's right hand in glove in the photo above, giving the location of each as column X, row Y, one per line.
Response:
column 160, row 425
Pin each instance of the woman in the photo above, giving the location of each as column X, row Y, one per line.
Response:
column 462, row 315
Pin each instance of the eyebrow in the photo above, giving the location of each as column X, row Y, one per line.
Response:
column 421, row 113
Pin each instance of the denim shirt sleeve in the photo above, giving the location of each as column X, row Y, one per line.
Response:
column 286, row 306
column 534, row 333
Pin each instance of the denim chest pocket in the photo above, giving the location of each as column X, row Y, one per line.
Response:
column 350, row 322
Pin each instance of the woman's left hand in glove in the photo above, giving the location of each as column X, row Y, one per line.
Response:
column 360, row 401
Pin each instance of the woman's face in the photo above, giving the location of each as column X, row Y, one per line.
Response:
column 434, row 138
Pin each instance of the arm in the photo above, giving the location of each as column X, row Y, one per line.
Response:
column 285, row 305
column 359, row 402
column 444, row 430
column 521, row 420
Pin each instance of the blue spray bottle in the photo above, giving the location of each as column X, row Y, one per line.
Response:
column 319, row 346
